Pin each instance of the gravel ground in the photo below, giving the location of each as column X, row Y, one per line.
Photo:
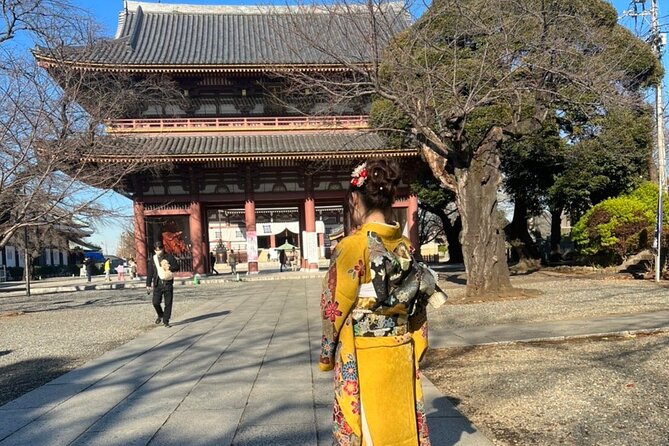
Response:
column 605, row 392
column 586, row 392
column 600, row 391
column 44, row 336
column 560, row 298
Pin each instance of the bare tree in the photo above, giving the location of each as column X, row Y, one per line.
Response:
column 126, row 244
column 53, row 121
column 430, row 227
column 42, row 20
column 465, row 76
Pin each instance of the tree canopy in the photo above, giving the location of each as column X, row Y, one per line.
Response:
column 469, row 75
column 50, row 121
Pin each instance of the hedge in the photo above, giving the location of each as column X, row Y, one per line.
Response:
column 620, row 227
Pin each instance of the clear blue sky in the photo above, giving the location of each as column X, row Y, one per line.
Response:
column 106, row 13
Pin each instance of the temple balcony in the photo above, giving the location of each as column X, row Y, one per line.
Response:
column 243, row 124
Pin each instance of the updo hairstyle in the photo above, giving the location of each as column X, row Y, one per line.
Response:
column 378, row 190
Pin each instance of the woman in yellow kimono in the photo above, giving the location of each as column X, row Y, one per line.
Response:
column 374, row 323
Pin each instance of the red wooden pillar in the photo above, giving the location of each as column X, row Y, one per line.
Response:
column 310, row 222
column 412, row 221
column 250, row 220
column 250, row 217
column 321, row 244
column 272, row 241
column 196, row 237
column 140, row 238
column 310, row 225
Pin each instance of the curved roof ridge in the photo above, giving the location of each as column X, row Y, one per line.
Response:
column 244, row 9
column 122, row 16
column 135, row 27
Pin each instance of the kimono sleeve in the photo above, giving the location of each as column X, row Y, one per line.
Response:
column 340, row 291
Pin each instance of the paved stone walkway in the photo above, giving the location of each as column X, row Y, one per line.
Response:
column 239, row 370
column 443, row 337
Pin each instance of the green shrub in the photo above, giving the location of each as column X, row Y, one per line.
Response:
column 55, row 271
column 14, row 273
column 619, row 227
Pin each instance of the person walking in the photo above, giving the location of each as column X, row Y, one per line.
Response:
column 133, row 268
column 160, row 281
column 88, row 265
column 373, row 337
column 212, row 263
column 120, row 273
column 224, row 253
column 232, row 261
column 282, row 259
column 107, row 269
column 295, row 261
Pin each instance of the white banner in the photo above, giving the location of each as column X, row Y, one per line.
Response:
column 310, row 246
column 252, row 246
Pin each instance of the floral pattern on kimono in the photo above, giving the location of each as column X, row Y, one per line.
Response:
column 349, row 268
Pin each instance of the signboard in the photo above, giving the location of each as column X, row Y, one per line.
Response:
column 252, row 246
column 310, row 246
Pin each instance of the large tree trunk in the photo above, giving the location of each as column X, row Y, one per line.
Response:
column 556, row 234
column 453, row 231
column 519, row 237
column 482, row 238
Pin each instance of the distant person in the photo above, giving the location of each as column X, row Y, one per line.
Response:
column 232, row 261
column 120, row 273
column 224, row 254
column 160, row 280
column 107, row 269
column 282, row 259
column 295, row 265
column 88, row 265
column 133, row 268
column 212, row 263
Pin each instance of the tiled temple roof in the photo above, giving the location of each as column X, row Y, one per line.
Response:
column 248, row 147
column 168, row 36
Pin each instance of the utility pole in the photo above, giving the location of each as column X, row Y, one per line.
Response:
column 26, row 260
column 657, row 41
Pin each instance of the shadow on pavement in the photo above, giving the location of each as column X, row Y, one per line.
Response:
column 201, row 317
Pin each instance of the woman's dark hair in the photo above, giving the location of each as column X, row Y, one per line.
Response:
column 378, row 189
column 158, row 245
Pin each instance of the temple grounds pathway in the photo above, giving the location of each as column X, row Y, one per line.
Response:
column 239, row 366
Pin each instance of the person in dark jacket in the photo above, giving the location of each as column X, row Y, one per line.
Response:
column 160, row 280
column 282, row 260
column 212, row 263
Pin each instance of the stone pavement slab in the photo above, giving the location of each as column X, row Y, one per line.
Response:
column 240, row 369
column 443, row 337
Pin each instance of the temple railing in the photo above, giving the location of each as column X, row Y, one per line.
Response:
column 159, row 125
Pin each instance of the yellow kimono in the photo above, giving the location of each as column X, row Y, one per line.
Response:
column 374, row 349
